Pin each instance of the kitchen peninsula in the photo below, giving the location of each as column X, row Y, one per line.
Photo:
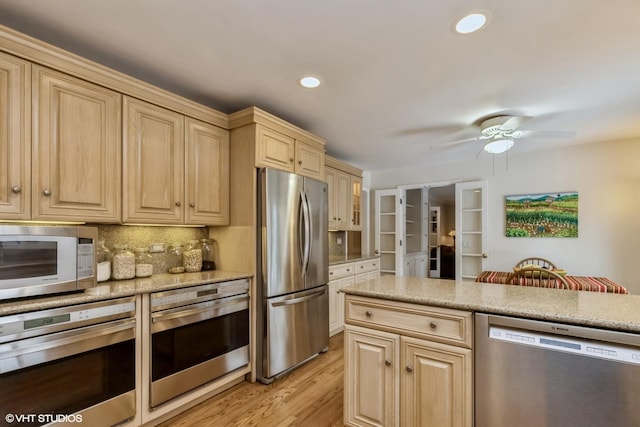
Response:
column 400, row 331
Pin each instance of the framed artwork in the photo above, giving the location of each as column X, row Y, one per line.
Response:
column 542, row 215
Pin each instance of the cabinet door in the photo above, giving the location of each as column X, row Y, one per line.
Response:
column 77, row 149
column 356, row 203
column 309, row 160
column 274, row 149
column 436, row 384
column 371, row 386
column 343, row 198
column 154, row 164
column 420, row 267
column 207, row 173
column 330, row 179
column 336, row 304
column 15, row 138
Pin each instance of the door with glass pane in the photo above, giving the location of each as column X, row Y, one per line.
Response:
column 471, row 229
column 389, row 231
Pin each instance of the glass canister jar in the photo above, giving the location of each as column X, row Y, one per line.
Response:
column 208, row 254
column 103, row 259
column 192, row 257
column 174, row 258
column 144, row 263
column 123, row 263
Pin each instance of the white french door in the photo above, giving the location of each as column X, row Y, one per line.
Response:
column 471, row 229
column 389, row 230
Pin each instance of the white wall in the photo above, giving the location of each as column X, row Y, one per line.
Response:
column 607, row 178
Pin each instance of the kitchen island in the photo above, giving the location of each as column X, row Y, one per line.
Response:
column 409, row 342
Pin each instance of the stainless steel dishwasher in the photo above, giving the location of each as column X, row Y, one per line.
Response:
column 543, row 374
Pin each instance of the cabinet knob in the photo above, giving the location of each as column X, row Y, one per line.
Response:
column 409, row 369
column 299, row 162
column 387, row 362
column 16, row 189
column 46, row 192
column 433, row 324
column 348, row 269
column 291, row 159
column 362, row 266
column 193, row 205
column 368, row 313
column 331, row 273
column 484, row 255
column 178, row 204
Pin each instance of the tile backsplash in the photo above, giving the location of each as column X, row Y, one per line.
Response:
column 143, row 237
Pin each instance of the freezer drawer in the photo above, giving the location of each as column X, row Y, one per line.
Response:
column 297, row 329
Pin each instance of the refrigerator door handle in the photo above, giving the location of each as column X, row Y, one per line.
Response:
column 306, row 220
column 298, row 300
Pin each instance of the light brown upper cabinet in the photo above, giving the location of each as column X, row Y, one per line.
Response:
column 338, row 183
column 15, row 138
column 207, row 173
column 76, row 151
column 272, row 142
column 345, row 188
column 176, row 168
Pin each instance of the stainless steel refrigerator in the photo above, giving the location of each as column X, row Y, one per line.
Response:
column 293, row 272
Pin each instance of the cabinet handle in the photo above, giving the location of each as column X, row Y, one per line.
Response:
column 433, row 324
column 348, row 270
column 409, row 369
column 387, row 362
column 16, row 189
column 362, row 266
column 331, row 273
column 193, row 205
column 47, row 192
column 368, row 313
column 299, row 162
column 291, row 159
column 178, row 204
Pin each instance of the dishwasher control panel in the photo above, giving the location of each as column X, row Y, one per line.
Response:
column 599, row 349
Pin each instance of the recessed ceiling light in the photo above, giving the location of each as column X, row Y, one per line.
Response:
column 471, row 22
column 310, row 82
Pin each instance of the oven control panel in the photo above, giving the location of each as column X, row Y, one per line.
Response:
column 47, row 321
column 197, row 294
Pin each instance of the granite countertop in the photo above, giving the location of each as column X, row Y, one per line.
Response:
column 594, row 309
column 120, row 288
column 341, row 259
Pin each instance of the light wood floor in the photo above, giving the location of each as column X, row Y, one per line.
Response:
column 309, row 396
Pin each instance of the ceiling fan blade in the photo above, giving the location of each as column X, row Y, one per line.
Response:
column 514, row 122
column 460, row 141
column 544, row 134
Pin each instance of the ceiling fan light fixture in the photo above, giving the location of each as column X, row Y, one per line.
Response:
column 471, row 23
column 498, row 146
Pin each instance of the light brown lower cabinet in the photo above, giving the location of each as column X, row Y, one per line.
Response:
column 392, row 379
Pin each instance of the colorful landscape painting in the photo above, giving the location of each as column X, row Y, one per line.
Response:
column 542, row 215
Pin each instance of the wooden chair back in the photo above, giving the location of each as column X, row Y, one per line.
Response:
column 535, row 261
column 539, row 277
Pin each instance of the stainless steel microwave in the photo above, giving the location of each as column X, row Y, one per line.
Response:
column 40, row 260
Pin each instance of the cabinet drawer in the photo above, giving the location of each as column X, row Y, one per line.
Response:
column 341, row 270
column 367, row 265
column 432, row 323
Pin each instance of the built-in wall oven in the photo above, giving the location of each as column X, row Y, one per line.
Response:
column 74, row 364
column 198, row 334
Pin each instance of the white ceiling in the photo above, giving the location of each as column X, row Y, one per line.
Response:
column 396, row 79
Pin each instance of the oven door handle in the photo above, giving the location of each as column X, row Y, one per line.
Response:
column 180, row 316
column 34, row 351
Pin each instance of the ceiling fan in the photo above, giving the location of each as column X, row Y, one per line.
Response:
column 500, row 132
